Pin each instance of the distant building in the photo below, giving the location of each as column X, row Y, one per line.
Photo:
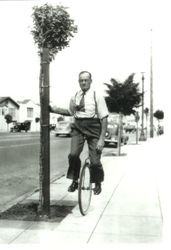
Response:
column 21, row 111
column 8, row 106
column 30, row 111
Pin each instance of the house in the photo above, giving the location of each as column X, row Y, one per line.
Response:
column 8, row 106
column 29, row 111
column 21, row 111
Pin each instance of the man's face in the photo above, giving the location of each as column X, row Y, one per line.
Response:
column 85, row 81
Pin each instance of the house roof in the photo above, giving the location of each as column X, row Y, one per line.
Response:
column 24, row 101
column 7, row 98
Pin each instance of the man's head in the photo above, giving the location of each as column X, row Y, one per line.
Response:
column 85, row 80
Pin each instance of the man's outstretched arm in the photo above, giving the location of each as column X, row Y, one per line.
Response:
column 69, row 112
column 59, row 111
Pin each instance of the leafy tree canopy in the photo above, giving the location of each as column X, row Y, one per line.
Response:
column 37, row 119
column 52, row 28
column 123, row 97
column 159, row 114
column 8, row 118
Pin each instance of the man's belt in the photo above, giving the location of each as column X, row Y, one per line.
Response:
column 87, row 118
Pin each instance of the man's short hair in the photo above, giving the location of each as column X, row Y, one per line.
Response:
column 82, row 72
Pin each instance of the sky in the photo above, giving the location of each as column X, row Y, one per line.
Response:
column 113, row 41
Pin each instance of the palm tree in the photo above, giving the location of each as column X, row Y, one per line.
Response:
column 122, row 98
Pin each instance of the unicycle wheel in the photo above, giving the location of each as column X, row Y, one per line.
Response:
column 84, row 189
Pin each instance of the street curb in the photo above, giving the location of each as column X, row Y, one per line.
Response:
column 23, row 197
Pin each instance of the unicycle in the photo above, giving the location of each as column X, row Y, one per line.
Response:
column 84, row 188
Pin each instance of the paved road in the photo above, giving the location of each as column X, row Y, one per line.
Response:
column 19, row 163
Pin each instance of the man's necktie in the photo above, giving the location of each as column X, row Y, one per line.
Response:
column 81, row 106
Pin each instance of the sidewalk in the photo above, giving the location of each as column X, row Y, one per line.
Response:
column 130, row 209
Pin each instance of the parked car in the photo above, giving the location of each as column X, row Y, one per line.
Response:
column 21, row 126
column 160, row 130
column 130, row 128
column 63, row 128
column 52, row 126
column 111, row 137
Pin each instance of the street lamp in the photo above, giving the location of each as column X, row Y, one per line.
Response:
column 142, row 135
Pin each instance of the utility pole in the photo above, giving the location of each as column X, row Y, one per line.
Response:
column 151, row 90
column 142, row 135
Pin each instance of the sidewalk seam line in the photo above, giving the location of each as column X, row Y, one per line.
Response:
column 31, row 223
column 160, row 206
column 106, row 206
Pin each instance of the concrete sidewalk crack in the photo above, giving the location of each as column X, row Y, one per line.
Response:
column 16, row 237
column 116, row 187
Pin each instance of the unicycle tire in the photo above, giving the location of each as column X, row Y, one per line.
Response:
column 84, row 189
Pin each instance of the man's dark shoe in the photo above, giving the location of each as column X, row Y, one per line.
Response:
column 97, row 189
column 73, row 186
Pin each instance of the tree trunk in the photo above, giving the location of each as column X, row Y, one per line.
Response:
column 119, row 133
column 44, row 198
column 146, row 127
column 137, row 133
